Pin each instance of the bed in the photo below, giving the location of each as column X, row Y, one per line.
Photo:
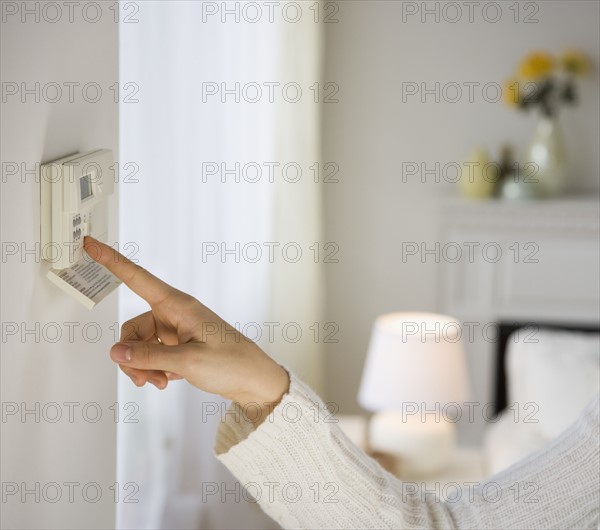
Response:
column 545, row 375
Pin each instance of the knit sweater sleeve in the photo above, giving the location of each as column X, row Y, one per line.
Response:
column 305, row 473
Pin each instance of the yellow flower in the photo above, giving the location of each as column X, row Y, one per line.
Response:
column 575, row 62
column 536, row 65
column 511, row 92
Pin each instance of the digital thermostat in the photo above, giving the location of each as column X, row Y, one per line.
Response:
column 74, row 203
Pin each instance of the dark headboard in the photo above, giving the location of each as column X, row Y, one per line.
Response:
column 505, row 330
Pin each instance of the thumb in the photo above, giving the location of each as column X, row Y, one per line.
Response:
column 150, row 356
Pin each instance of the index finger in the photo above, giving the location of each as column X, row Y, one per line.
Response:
column 138, row 279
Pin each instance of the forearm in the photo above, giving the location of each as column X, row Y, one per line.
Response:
column 307, row 474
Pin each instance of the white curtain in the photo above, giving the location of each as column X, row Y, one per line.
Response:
column 174, row 214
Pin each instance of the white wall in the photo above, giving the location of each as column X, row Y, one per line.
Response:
column 37, row 370
column 370, row 52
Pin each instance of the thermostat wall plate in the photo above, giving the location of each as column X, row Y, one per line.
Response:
column 74, row 203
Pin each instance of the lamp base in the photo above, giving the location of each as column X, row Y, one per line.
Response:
column 421, row 446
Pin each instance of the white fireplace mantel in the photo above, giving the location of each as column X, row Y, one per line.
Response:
column 549, row 266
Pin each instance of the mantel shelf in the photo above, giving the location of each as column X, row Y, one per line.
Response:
column 569, row 214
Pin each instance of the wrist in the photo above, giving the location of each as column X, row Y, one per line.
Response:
column 260, row 404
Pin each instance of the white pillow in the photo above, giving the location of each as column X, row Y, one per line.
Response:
column 557, row 371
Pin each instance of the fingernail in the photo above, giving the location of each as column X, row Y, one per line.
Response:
column 121, row 353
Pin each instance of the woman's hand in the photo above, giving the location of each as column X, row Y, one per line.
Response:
column 181, row 338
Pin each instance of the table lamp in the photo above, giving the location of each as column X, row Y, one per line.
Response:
column 415, row 381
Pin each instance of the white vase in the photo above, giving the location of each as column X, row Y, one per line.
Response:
column 548, row 153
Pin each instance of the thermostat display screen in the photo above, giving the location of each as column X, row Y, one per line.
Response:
column 85, row 185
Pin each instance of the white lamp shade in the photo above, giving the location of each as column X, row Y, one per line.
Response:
column 414, row 357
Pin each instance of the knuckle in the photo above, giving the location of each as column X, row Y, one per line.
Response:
column 188, row 301
column 132, row 374
column 136, row 271
column 142, row 353
column 129, row 329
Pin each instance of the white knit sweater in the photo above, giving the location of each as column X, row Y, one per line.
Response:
column 305, row 473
